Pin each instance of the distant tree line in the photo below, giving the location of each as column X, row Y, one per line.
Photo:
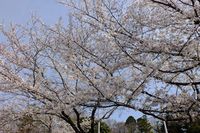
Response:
column 31, row 124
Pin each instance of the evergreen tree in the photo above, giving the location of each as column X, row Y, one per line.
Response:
column 143, row 125
column 130, row 124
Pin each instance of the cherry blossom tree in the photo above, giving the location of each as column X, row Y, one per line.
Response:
column 153, row 46
column 141, row 54
column 46, row 73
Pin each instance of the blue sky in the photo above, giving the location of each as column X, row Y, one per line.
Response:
column 123, row 113
column 20, row 11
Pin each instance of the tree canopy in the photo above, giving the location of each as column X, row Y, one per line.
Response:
column 141, row 54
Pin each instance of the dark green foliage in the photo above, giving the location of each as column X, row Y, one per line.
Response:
column 130, row 120
column 131, row 124
column 143, row 125
column 175, row 127
column 194, row 127
column 104, row 128
column 181, row 127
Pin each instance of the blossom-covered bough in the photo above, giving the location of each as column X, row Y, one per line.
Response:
column 153, row 47
column 141, row 54
column 44, row 72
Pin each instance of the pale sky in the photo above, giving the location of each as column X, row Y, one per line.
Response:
column 20, row 11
